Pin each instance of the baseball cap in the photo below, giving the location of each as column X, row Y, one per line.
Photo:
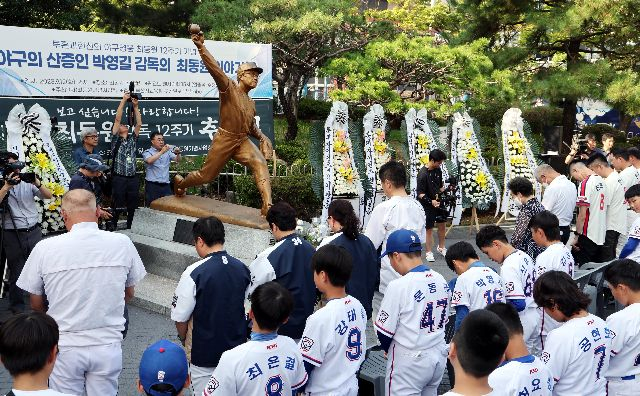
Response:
column 249, row 66
column 163, row 363
column 402, row 241
column 94, row 162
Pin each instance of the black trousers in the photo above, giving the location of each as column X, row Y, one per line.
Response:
column 608, row 251
column 565, row 233
column 17, row 247
column 588, row 251
column 154, row 190
column 125, row 193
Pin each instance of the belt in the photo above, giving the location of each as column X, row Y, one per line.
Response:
column 628, row 378
column 33, row 227
column 128, row 177
column 158, row 183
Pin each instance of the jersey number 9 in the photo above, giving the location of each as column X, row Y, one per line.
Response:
column 354, row 344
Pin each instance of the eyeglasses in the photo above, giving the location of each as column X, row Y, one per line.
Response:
column 92, row 136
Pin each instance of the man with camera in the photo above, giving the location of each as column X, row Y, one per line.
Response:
column 157, row 159
column 125, row 183
column 430, row 185
column 20, row 221
column 87, row 178
column 89, row 138
column 583, row 148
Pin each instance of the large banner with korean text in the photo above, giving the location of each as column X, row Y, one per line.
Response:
column 61, row 63
column 189, row 124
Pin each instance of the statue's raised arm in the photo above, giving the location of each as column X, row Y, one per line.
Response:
column 221, row 79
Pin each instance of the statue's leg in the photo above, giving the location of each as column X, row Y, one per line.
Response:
column 222, row 148
column 249, row 155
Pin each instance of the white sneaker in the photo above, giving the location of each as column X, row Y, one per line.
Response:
column 442, row 251
column 430, row 258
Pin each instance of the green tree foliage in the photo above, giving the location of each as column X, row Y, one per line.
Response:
column 145, row 17
column 48, row 14
column 562, row 49
column 305, row 34
column 418, row 67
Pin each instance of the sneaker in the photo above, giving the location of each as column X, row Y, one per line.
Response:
column 430, row 258
column 442, row 251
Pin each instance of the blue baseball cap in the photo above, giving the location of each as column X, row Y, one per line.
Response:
column 163, row 363
column 402, row 241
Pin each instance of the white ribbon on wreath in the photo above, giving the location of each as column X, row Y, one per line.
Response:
column 464, row 122
column 417, row 125
column 37, row 121
column 374, row 120
column 338, row 120
column 512, row 121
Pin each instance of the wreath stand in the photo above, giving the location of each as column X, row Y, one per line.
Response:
column 474, row 220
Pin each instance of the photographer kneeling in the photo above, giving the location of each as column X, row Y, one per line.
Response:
column 430, row 184
column 87, row 178
column 20, row 220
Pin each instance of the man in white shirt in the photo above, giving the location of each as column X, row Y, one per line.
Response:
column 591, row 224
column 87, row 280
column 560, row 196
column 617, row 209
column 399, row 211
column 629, row 176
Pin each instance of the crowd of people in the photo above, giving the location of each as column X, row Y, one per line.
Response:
column 522, row 330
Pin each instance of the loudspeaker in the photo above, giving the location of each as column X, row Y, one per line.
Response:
column 552, row 138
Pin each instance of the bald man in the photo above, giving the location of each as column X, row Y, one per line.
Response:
column 88, row 275
column 560, row 196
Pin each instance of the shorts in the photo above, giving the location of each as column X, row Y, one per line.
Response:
column 431, row 214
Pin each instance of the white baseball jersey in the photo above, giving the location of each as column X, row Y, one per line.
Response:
column 414, row 310
column 625, row 345
column 556, row 257
column 634, row 232
column 592, row 195
column 258, row 368
column 335, row 341
column 629, row 176
column 394, row 214
column 577, row 353
column 517, row 274
column 477, row 287
column 526, row 375
column 617, row 209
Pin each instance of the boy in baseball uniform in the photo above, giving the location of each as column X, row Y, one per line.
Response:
column 623, row 376
column 411, row 321
column 516, row 271
column 521, row 373
column 476, row 286
column 475, row 352
column 631, row 249
column 268, row 364
column 578, row 352
column 334, row 340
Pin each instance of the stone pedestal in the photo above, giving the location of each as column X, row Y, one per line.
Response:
column 164, row 241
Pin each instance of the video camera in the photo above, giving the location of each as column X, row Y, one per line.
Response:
column 579, row 143
column 10, row 168
column 447, row 199
column 132, row 94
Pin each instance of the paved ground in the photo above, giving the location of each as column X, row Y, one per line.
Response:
column 147, row 327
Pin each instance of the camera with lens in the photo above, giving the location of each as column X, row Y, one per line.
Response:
column 132, row 94
column 447, row 199
column 579, row 143
column 7, row 169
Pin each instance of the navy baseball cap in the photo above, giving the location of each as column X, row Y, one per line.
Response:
column 163, row 363
column 402, row 241
column 94, row 162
